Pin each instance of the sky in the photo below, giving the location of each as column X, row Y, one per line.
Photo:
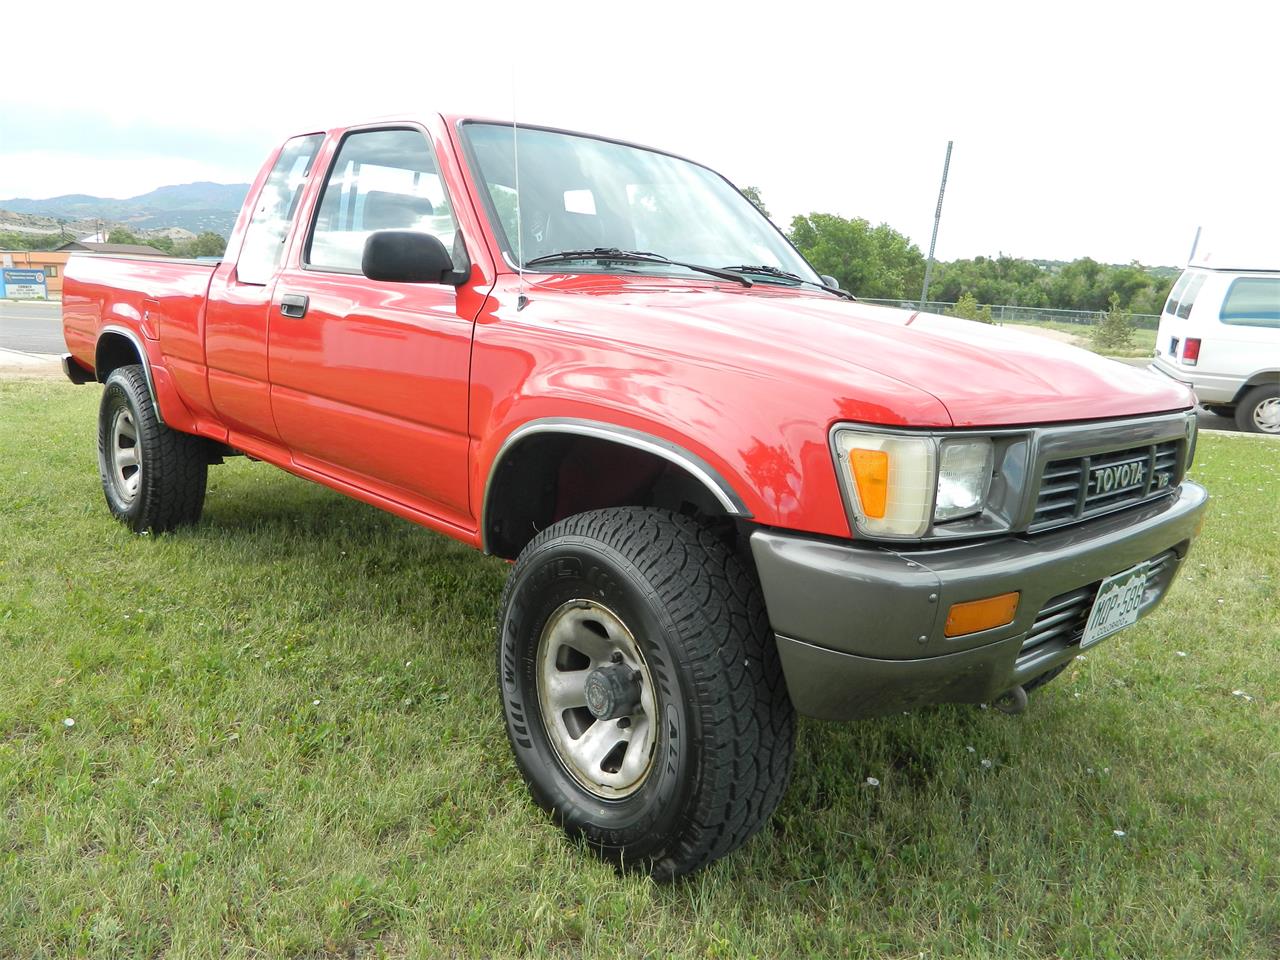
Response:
column 1109, row 130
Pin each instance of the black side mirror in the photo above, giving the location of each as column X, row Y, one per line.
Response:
column 406, row 256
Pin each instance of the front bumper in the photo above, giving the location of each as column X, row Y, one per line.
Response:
column 860, row 627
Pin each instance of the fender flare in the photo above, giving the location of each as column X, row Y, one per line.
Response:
column 142, row 354
column 691, row 463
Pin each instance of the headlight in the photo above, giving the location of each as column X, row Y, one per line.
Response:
column 890, row 481
column 898, row 485
column 964, row 477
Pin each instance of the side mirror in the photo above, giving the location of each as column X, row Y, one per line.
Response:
column 829, row 280
column 406, row 256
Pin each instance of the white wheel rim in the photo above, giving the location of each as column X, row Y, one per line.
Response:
column 126, row 456
column 610, row 759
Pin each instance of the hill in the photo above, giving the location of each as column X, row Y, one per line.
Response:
column 190, row 206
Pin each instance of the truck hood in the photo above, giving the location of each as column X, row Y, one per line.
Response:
column 983, row 375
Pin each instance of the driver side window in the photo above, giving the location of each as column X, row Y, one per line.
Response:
column 380, row 180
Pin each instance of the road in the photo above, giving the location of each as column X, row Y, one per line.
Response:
column 31, row 327
column 34, row 327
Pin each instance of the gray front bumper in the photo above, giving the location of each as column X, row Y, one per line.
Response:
column 860, row 627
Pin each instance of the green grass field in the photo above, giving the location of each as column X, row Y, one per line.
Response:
column 287, row 743
column 1142, row 345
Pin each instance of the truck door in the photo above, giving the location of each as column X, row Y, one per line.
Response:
column 237, row 314
column 369, row 378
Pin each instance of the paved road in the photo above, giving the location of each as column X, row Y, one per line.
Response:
column 32, row 326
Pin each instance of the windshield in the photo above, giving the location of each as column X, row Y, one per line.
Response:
column 578, row 193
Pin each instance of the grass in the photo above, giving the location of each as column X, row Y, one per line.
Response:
column 1142, row 345
column 287, row 744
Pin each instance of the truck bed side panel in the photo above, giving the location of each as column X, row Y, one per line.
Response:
column 161, row 302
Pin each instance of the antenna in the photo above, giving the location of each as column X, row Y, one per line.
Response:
column 937, row 216
column 521, row 300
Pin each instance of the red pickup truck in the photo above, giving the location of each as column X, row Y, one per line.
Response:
column 730, row 491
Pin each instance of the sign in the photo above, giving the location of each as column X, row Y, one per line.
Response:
column 23, row 285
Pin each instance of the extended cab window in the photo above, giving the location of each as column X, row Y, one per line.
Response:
column 269, row 226
column 381, row 180
column 1253, row 302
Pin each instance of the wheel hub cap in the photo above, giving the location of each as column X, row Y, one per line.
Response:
column 597, row 699
column 126, row 456
column 1266, row 415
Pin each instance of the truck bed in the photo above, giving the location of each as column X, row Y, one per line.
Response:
column 152, row 297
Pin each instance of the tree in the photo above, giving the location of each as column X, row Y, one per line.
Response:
column 967, row 308
column 874, row 262
column 207, row 244
column 1114, row 329
column 753, row 194
column 121, row 235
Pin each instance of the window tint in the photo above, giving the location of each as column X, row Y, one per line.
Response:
column 381, row 180
column 1253, row 302
column 1189, row 296
column 269, row 226
column 1171, row 307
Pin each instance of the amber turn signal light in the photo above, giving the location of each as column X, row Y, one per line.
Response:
column 871, row 474
column 975, row 615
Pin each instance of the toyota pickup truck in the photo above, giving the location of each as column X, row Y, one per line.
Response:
column 731, row 492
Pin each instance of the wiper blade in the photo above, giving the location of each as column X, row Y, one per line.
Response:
column 769, row 271
column 614, row 255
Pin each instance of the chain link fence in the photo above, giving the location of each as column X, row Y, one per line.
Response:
column 1008, row 313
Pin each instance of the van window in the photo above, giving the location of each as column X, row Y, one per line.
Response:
column 1189, row 296
column 1253, row 302
column 1171, row 307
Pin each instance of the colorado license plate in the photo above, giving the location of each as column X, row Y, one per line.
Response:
column 1119, row 599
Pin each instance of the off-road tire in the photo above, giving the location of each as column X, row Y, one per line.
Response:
column 723, row 752
column 1268, row 393
column 174, row 466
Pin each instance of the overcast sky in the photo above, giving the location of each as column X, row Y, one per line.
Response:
column 1105, row 130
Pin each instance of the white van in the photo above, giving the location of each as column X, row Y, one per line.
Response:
column 1220, row 333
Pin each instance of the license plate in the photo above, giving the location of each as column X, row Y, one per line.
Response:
column 1117, row 605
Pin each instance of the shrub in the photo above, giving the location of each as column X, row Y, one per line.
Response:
column 1114, row 329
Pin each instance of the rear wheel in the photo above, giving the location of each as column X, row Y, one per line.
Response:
column 644, row 699
column 1259, row 410
column 153, row 477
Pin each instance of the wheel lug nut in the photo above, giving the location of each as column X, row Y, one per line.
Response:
column 616, row 656
column 624, row 722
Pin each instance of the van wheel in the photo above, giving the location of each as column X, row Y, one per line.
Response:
column 1259, row 410
column 154, row 478
column 644, row 699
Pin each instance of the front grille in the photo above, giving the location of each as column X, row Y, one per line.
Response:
column 1080, row 487
column 1063, row 618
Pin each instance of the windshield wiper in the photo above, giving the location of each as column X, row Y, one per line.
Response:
column 769, row 271
column 614, row 255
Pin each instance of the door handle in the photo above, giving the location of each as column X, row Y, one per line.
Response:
column 293, row 305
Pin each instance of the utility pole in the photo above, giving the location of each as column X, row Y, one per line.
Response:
column 937, row 215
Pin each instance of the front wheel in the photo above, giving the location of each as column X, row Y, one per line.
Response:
column 154, row 478
column 644, row 699
column 1259, row 410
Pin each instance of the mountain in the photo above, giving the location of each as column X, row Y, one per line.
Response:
column 191, row 206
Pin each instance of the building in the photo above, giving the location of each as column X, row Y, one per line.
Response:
column 128, row 249
column 50, row 263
